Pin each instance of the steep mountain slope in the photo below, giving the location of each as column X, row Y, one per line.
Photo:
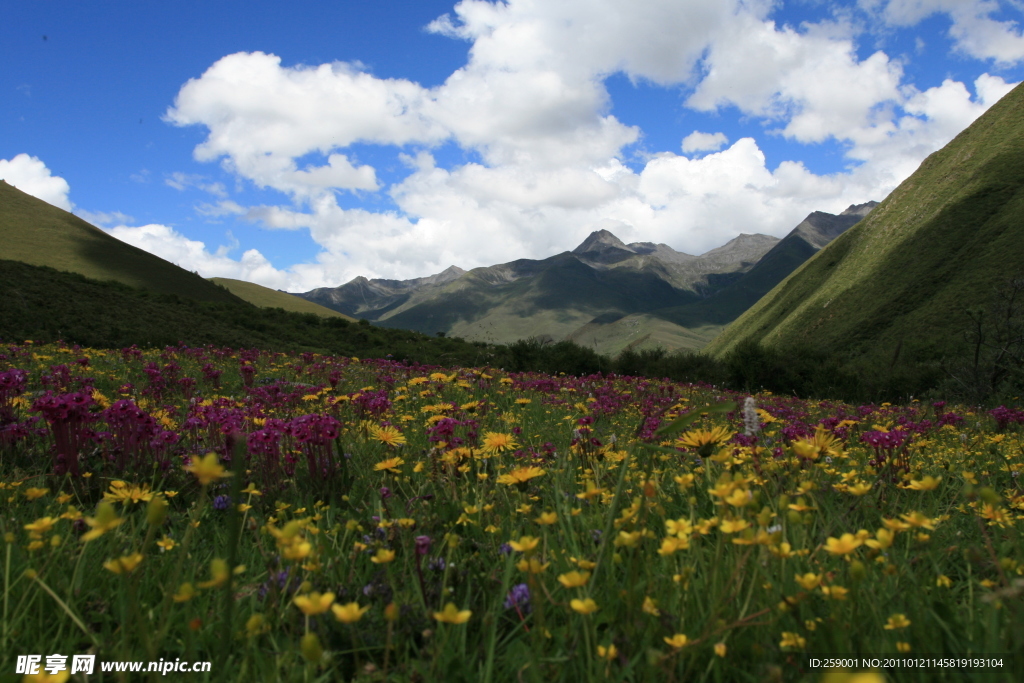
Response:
column 693, row 325
column 37, row 233
column 264, row 297
column 550, row 297
column 895, row 287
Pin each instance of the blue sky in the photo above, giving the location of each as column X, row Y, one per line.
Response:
column 302, row 144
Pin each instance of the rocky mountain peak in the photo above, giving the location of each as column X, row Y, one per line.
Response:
column 600, row 241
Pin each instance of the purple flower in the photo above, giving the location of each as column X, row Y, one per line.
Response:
column 422, row 545
column 221, row 502
column 518, row 597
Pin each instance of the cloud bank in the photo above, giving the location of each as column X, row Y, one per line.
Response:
column 550, row 162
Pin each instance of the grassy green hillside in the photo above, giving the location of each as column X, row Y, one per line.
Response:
column 895, row 288
column 34, row 232
column 264, row 297
column 44, row 304
column 562, row 295
column 641, row 331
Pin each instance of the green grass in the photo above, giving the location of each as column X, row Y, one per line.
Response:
column 673, row 533
column 264, row 297
column 895, row 287
column 40, row 234
column 43, row 304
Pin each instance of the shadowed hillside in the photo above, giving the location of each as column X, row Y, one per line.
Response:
column 34, row 232
column 895, row 289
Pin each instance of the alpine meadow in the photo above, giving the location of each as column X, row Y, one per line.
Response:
column 793, row 456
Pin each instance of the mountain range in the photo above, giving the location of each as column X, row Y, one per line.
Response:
column 604, row 294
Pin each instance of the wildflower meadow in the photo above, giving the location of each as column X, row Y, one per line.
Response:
column 299, row 517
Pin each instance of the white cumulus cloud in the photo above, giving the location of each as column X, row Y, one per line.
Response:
column 531, row 108
column 704, row 142
column 30, row 175
column 171, row 245
column 973, row 29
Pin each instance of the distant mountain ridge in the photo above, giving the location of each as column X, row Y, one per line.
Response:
column 575, row 293
column 703, row 319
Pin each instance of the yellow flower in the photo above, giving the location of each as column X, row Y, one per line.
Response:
column 584, row 607
column 793, row 640
column 32, row 493
column 533, row 565
column 698, row 438
column 821, row 443
column 383, row 556
column 677, row 641
column 105, row 520
column 731, row 526
column 311, row 648
column 496, row 442
column 809, row 581
column 835, row 592
column 185, row 593
column 391, row 465
column 525, row 544
column 256, row 625
column 629, row 539
column 574, row 579
column 671, row 544
column 738, row 498
column 897, row 621
column 859, row 489
column 251, row 490
column 452, row 615
column 678, row 527
column 349, row 613
column 389, row 436
column 843, row 545
column 929, row 483
column 166, row 543
column 943, row 581
column 219, row 574
column 41, row 526
column 902, row 646
column 121, row 492
column 547, row 518
column 520, row 475
column 609, row 653
column 883, row 539
column 207, row 469
column 125, row 564
column 895, row 524
column 720, row 649
column 650, row 607
column 314, row 603
column 916, row 519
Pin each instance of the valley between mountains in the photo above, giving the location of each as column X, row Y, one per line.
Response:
column 604, row 294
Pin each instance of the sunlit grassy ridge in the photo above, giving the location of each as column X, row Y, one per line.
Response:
column 40, row 234
column 372, row 520
column 896, row 286
column 264, row 297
